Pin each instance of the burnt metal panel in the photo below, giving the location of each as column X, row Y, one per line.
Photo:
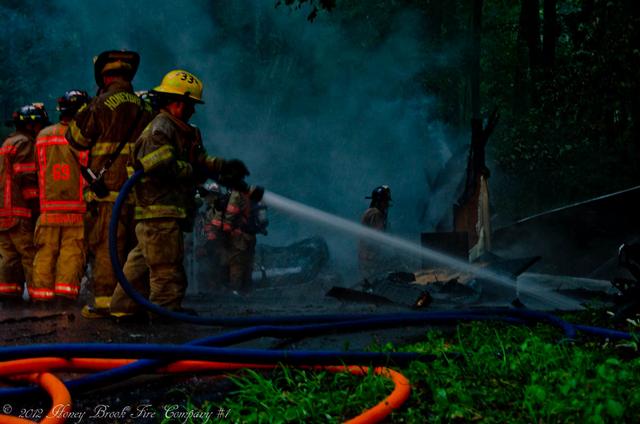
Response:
column 511, row 267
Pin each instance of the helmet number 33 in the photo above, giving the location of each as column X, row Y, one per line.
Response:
column 186, row 77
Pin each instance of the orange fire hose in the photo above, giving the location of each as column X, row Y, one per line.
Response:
column 398, row 396
column 60, row 400
column 61, row 396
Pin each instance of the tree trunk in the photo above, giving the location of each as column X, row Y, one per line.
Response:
column 550, row 34
column 587, row 9
column 471, row 213
column 476, row 30
column 435, row 21
column 530, row 29
column 457, row 81
column 520, row 99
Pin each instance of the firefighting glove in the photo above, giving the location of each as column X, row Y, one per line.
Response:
column 240, row 186
column 234, row 168
column 256, row 193
column 232, row 173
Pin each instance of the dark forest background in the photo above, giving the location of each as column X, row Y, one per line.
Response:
column 564, row 75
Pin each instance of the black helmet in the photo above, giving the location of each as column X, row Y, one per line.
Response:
column 115, row 61
column 380, row 193
column 34, row 112
column 72, row 101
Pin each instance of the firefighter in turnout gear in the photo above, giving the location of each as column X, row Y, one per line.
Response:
column 18, row 199
column 236, row 235
column 59, row 235
column 171, row 153
column 209, row 253
column 107, row 127
column 372, row 261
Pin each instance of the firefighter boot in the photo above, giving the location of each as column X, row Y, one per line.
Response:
column 100, row 309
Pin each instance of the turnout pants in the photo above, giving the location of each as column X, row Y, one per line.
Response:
column 154, row 267
column 237, row 260
column 240, row 261
column 371, row 262
column 103, row 280
column 17, row 252
column 59, row 262
column 212, row 270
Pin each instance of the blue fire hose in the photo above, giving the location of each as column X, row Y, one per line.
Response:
column 103, row 378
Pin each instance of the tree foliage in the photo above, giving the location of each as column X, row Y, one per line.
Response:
column 572, row 117
column 564, row 75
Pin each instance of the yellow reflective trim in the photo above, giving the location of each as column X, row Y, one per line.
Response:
column 76, row 134
column 213, row 163
column 159, row 211
column 115, row 100
column 156, row 157
column 102, row 302
column 106, row 148
column 121, row 314
column 183, row 169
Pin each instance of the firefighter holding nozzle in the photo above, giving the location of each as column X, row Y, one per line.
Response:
column 230, row 223
column 174, row 160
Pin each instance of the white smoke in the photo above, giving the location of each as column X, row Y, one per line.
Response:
column 316, row 115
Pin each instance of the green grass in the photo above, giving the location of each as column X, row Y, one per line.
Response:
column 486, row 372
column 521, row 375
column 300, row 395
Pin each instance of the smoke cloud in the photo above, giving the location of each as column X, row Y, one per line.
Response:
column 317, row 115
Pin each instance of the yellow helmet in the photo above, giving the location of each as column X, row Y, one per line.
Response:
column 181, row 83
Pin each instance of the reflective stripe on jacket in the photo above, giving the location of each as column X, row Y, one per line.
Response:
column 59, row 178
column 235, row 216
column 169, row 150
column 18, row 182
column 100, row 125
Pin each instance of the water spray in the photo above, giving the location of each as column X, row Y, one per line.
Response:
column 356, row 229
column 296, row 209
